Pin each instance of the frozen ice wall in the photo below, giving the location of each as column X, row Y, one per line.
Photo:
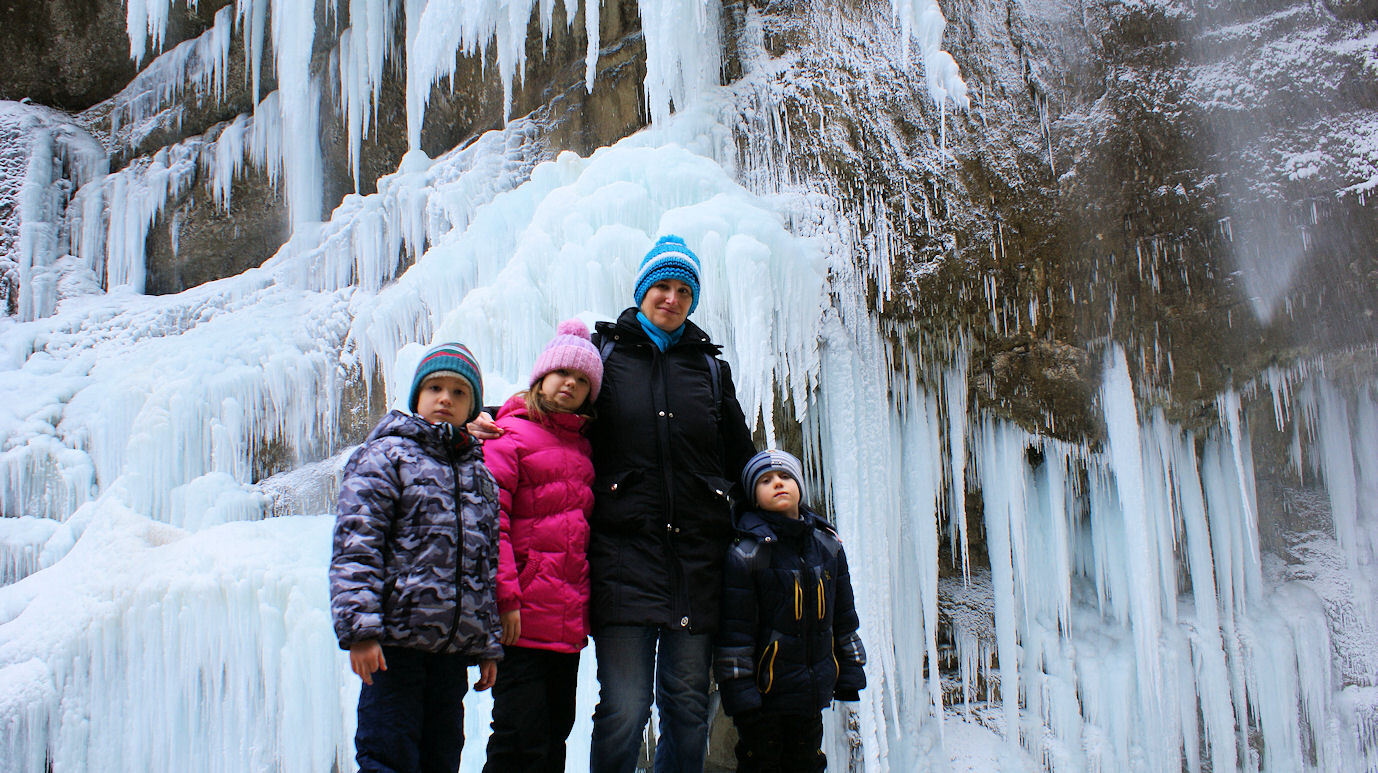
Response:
column 1113, row 607
column 158, row 408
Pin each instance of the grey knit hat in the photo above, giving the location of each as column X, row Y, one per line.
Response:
column 772, row 459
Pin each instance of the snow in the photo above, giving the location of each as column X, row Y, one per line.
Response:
column 159, row 575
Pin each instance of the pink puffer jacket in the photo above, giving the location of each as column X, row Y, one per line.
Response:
column 544, row 477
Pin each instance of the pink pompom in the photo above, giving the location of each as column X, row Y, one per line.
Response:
column 573, row 327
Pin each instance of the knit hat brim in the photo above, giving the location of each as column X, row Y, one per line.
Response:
column 670, row 258
column 449, row 359
column 571, row 349
column 772, row 459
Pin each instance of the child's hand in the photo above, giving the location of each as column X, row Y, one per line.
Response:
column 484, row 428
column 487, row 674
column 511, row 627
column 365, row 657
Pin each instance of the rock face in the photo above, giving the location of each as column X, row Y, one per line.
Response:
column 1186, row 179
column 72, row 54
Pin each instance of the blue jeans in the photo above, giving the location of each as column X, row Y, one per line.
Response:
column 630, row 657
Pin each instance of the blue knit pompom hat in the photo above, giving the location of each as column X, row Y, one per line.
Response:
column 670, row 258
column 452, row 359
column 772, row 459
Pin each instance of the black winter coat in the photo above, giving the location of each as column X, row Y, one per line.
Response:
column 789, row 642
column 666, row 456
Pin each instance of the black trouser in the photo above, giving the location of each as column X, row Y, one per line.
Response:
column 412, row 717
column 533, row 710
column 780, row 743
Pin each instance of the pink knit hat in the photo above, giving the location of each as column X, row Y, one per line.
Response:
column 571, row 349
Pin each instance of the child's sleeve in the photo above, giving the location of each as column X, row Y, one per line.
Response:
column 367, row 500
column 501, row 457
column 734, row 656
column 851, row 656
column 488, row 610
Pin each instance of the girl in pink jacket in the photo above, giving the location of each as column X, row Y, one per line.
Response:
column 544, row 475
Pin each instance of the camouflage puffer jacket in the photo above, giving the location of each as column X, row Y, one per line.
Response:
column 415, row 555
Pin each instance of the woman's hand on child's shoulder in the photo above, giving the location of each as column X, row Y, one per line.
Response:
column 365, row 657
column 484, row 428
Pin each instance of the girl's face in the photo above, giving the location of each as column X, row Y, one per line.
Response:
column 445, row 399
column 777, row 492
column 565, row 390
column 666, row 304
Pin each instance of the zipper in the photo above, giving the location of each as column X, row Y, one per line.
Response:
column 821, row 603
column 678, row 583
column 447, row 436
column 767, row 667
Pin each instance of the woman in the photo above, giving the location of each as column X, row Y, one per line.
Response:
column 669, row 439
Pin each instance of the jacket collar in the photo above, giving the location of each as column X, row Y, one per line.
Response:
column 439, row 439
column 769, row 527
column 628, row 327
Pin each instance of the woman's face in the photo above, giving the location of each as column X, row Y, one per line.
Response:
column 565, row 390
column 666, row 304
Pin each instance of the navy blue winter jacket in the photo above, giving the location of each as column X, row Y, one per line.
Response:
column 788, row 641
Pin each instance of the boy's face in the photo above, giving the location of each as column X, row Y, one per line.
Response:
column 777, row 492
column 447, row 399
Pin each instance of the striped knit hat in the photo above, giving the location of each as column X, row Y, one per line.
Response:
column 772, row 459
column 670, row 258
column 571, row 349
column 452, row 359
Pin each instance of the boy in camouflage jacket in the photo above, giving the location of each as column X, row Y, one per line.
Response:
column 413, row 570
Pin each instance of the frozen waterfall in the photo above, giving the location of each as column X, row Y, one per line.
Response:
column 1110, row 606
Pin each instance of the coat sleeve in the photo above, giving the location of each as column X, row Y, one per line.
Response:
column 851, row 656
column 502, row 458
column 366, row 505
column 738, row 447
column 734, row 663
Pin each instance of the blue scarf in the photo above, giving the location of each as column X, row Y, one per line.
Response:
column 660, row 338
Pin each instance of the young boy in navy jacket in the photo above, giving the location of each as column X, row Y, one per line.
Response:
column 788, row 642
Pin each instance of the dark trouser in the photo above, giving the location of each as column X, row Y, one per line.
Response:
column 411, row 719
column 780, row 743
column 533, row 710
column 636, row 662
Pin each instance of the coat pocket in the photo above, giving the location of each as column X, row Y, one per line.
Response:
column 529, row 571
column 706, row 506
column 620, row 502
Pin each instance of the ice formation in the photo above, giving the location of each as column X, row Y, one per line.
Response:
column 1134, row 623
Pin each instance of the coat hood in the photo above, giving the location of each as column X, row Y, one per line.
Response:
column 770, row 527
column 441, row 439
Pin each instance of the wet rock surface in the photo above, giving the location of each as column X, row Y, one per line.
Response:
column 194, row 239
column 72, row 54
column 1185, row 179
